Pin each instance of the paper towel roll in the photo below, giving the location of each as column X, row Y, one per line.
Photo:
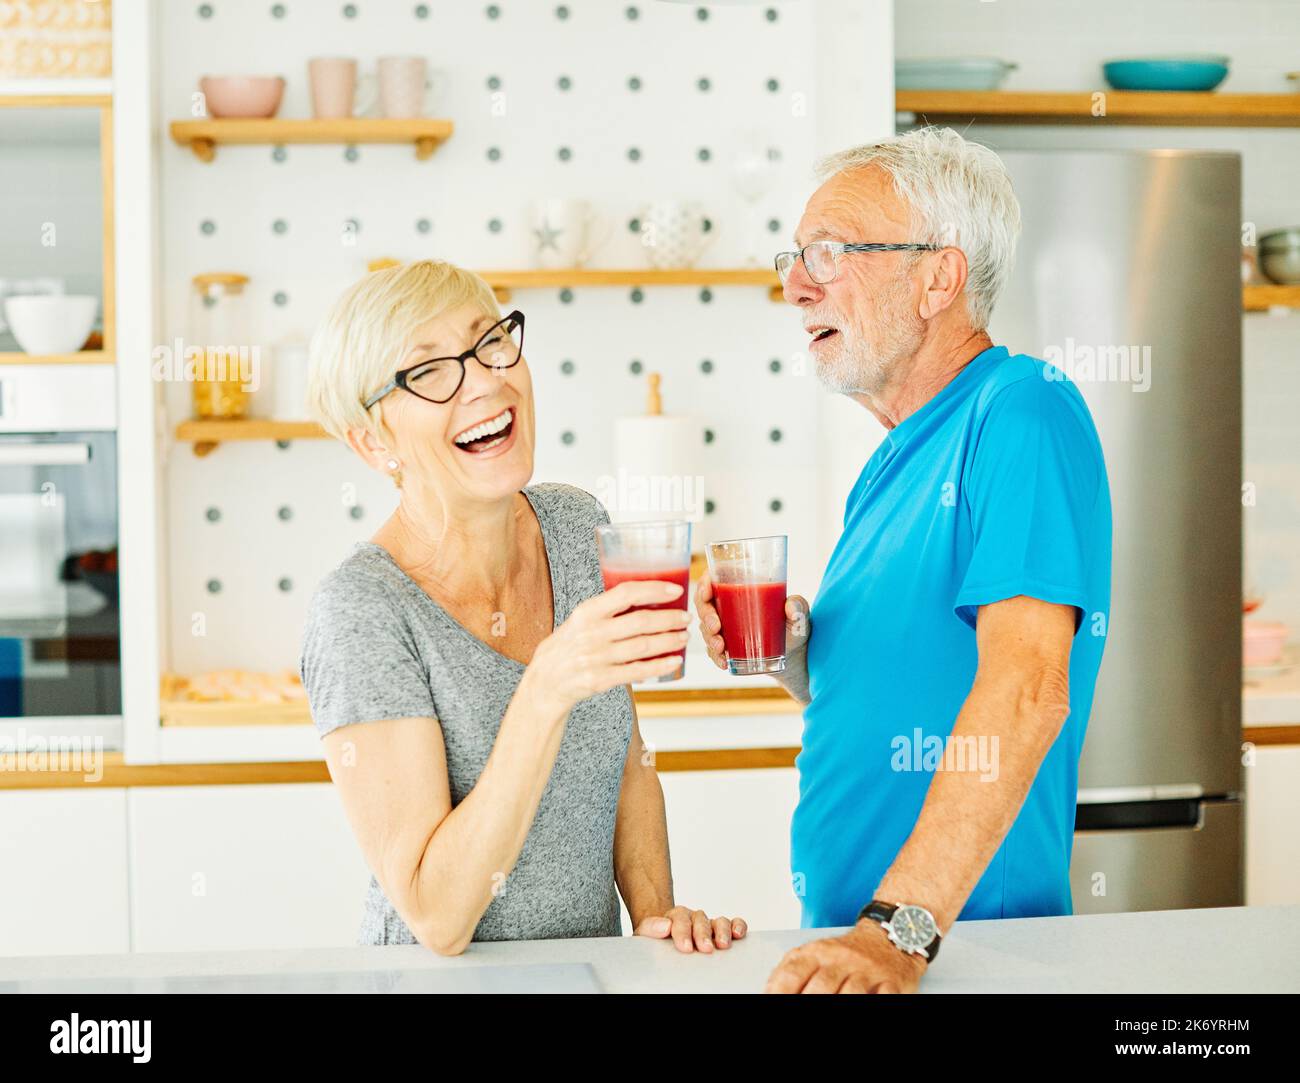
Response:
column 657, row 468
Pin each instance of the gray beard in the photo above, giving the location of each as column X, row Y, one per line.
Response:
column 864, row 368
column 857, row 371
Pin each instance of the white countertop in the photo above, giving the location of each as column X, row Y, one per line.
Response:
column 1243, row 949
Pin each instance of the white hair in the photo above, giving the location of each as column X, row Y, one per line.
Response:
column 959, row 195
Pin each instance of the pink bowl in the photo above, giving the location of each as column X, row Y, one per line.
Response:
column 1262, row 642
column 242, row 95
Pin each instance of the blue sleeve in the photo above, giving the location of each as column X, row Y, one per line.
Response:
column 1031, row 491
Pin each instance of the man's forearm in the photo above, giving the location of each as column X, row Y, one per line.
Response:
column 966, row 816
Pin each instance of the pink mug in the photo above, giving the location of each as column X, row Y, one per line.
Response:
column 334, row 87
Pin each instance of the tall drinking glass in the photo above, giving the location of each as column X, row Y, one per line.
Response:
column 748, row 577
column 648, row 551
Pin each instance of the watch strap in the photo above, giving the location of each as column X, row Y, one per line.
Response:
column 883, row 913
column 876, row 910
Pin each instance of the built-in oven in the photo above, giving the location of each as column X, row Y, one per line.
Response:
column 60, row 651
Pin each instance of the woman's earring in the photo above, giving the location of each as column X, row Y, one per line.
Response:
column 393, row 464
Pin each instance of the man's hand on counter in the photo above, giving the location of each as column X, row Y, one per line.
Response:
column 861, row 961
column 693, row 930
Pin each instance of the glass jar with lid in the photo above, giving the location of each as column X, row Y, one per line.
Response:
column 227, row 369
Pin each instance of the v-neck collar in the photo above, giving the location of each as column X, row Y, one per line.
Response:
column 550, row 547
column 905, row 429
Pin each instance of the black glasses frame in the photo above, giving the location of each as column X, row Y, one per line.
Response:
column 838, row 248
column 400, row 378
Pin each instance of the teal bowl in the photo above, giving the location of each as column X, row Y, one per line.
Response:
column 1166, row 73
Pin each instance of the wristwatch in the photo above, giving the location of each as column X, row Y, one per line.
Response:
column 911, row 928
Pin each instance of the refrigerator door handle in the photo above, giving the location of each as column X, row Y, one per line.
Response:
column 1168, row 791
column 1184, row 812
column 44, row 454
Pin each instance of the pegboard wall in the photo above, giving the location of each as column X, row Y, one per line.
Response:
column 615, row 103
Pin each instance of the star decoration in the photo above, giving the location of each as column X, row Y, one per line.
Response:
column 547, row 236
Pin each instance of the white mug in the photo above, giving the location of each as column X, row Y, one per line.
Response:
column 566, row 232
column 406, row 86
column 674, row 234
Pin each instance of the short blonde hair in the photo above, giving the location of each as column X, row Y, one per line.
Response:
column 357, row 347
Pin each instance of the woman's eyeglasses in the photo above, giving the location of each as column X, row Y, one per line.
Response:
column 821, row 259
column 439, row 378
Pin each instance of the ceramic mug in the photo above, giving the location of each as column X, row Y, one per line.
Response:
column 406, row 85
column 566, row 232
column 674, row 234
column 334, row 83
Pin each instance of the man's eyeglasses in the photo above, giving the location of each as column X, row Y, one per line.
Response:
column 821, row 259
column 439, row 378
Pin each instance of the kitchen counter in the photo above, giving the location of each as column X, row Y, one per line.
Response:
column 1245, row 949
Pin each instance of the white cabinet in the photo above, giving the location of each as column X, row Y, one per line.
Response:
column 729, row 833
column 1272, row 813
column 63, row 872
column 230, row 867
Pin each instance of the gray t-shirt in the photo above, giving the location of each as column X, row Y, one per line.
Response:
column 376, row 646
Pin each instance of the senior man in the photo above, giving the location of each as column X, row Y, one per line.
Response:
column 948, row 663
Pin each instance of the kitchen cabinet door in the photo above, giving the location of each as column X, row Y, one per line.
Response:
column 729, row 832
column 1272, row 812
column 231, row 867
column 63, row 890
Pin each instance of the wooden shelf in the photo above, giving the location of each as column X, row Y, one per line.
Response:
column 676, row 702
column 653, row 703
column 56, row 93
column 206, row 435
column 116, row 773
column 203, row 136
column 82, row 357
column 504, row 282
column 1263, row 298
column 1122, row 107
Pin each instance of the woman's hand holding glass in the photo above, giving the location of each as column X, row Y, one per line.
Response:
column 602, row 645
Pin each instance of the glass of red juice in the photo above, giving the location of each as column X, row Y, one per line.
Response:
column 648, row 551
column 748, row 577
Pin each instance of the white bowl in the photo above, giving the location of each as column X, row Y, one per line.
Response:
column 51, row 324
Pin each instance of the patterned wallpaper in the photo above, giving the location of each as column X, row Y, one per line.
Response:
column 618, row 104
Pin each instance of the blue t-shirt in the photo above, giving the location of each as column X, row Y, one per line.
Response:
column 995, row 488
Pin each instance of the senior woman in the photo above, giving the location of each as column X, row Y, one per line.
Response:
column 467, row 675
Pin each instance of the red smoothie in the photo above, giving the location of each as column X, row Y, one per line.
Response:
column 613, row 576
column 753, row 618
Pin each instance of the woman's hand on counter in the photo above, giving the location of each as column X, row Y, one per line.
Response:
column 798, row 627
column 693, row 930
column 605, row 643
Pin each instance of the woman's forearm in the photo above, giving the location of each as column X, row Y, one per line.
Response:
column 642, row 868
column 472, row 851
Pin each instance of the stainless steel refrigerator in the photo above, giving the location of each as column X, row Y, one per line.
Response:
column 1128, row 272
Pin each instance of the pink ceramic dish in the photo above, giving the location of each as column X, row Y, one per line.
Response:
column 242, row 95
column 1262, row 642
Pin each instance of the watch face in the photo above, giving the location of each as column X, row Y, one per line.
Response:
column 913, row 926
